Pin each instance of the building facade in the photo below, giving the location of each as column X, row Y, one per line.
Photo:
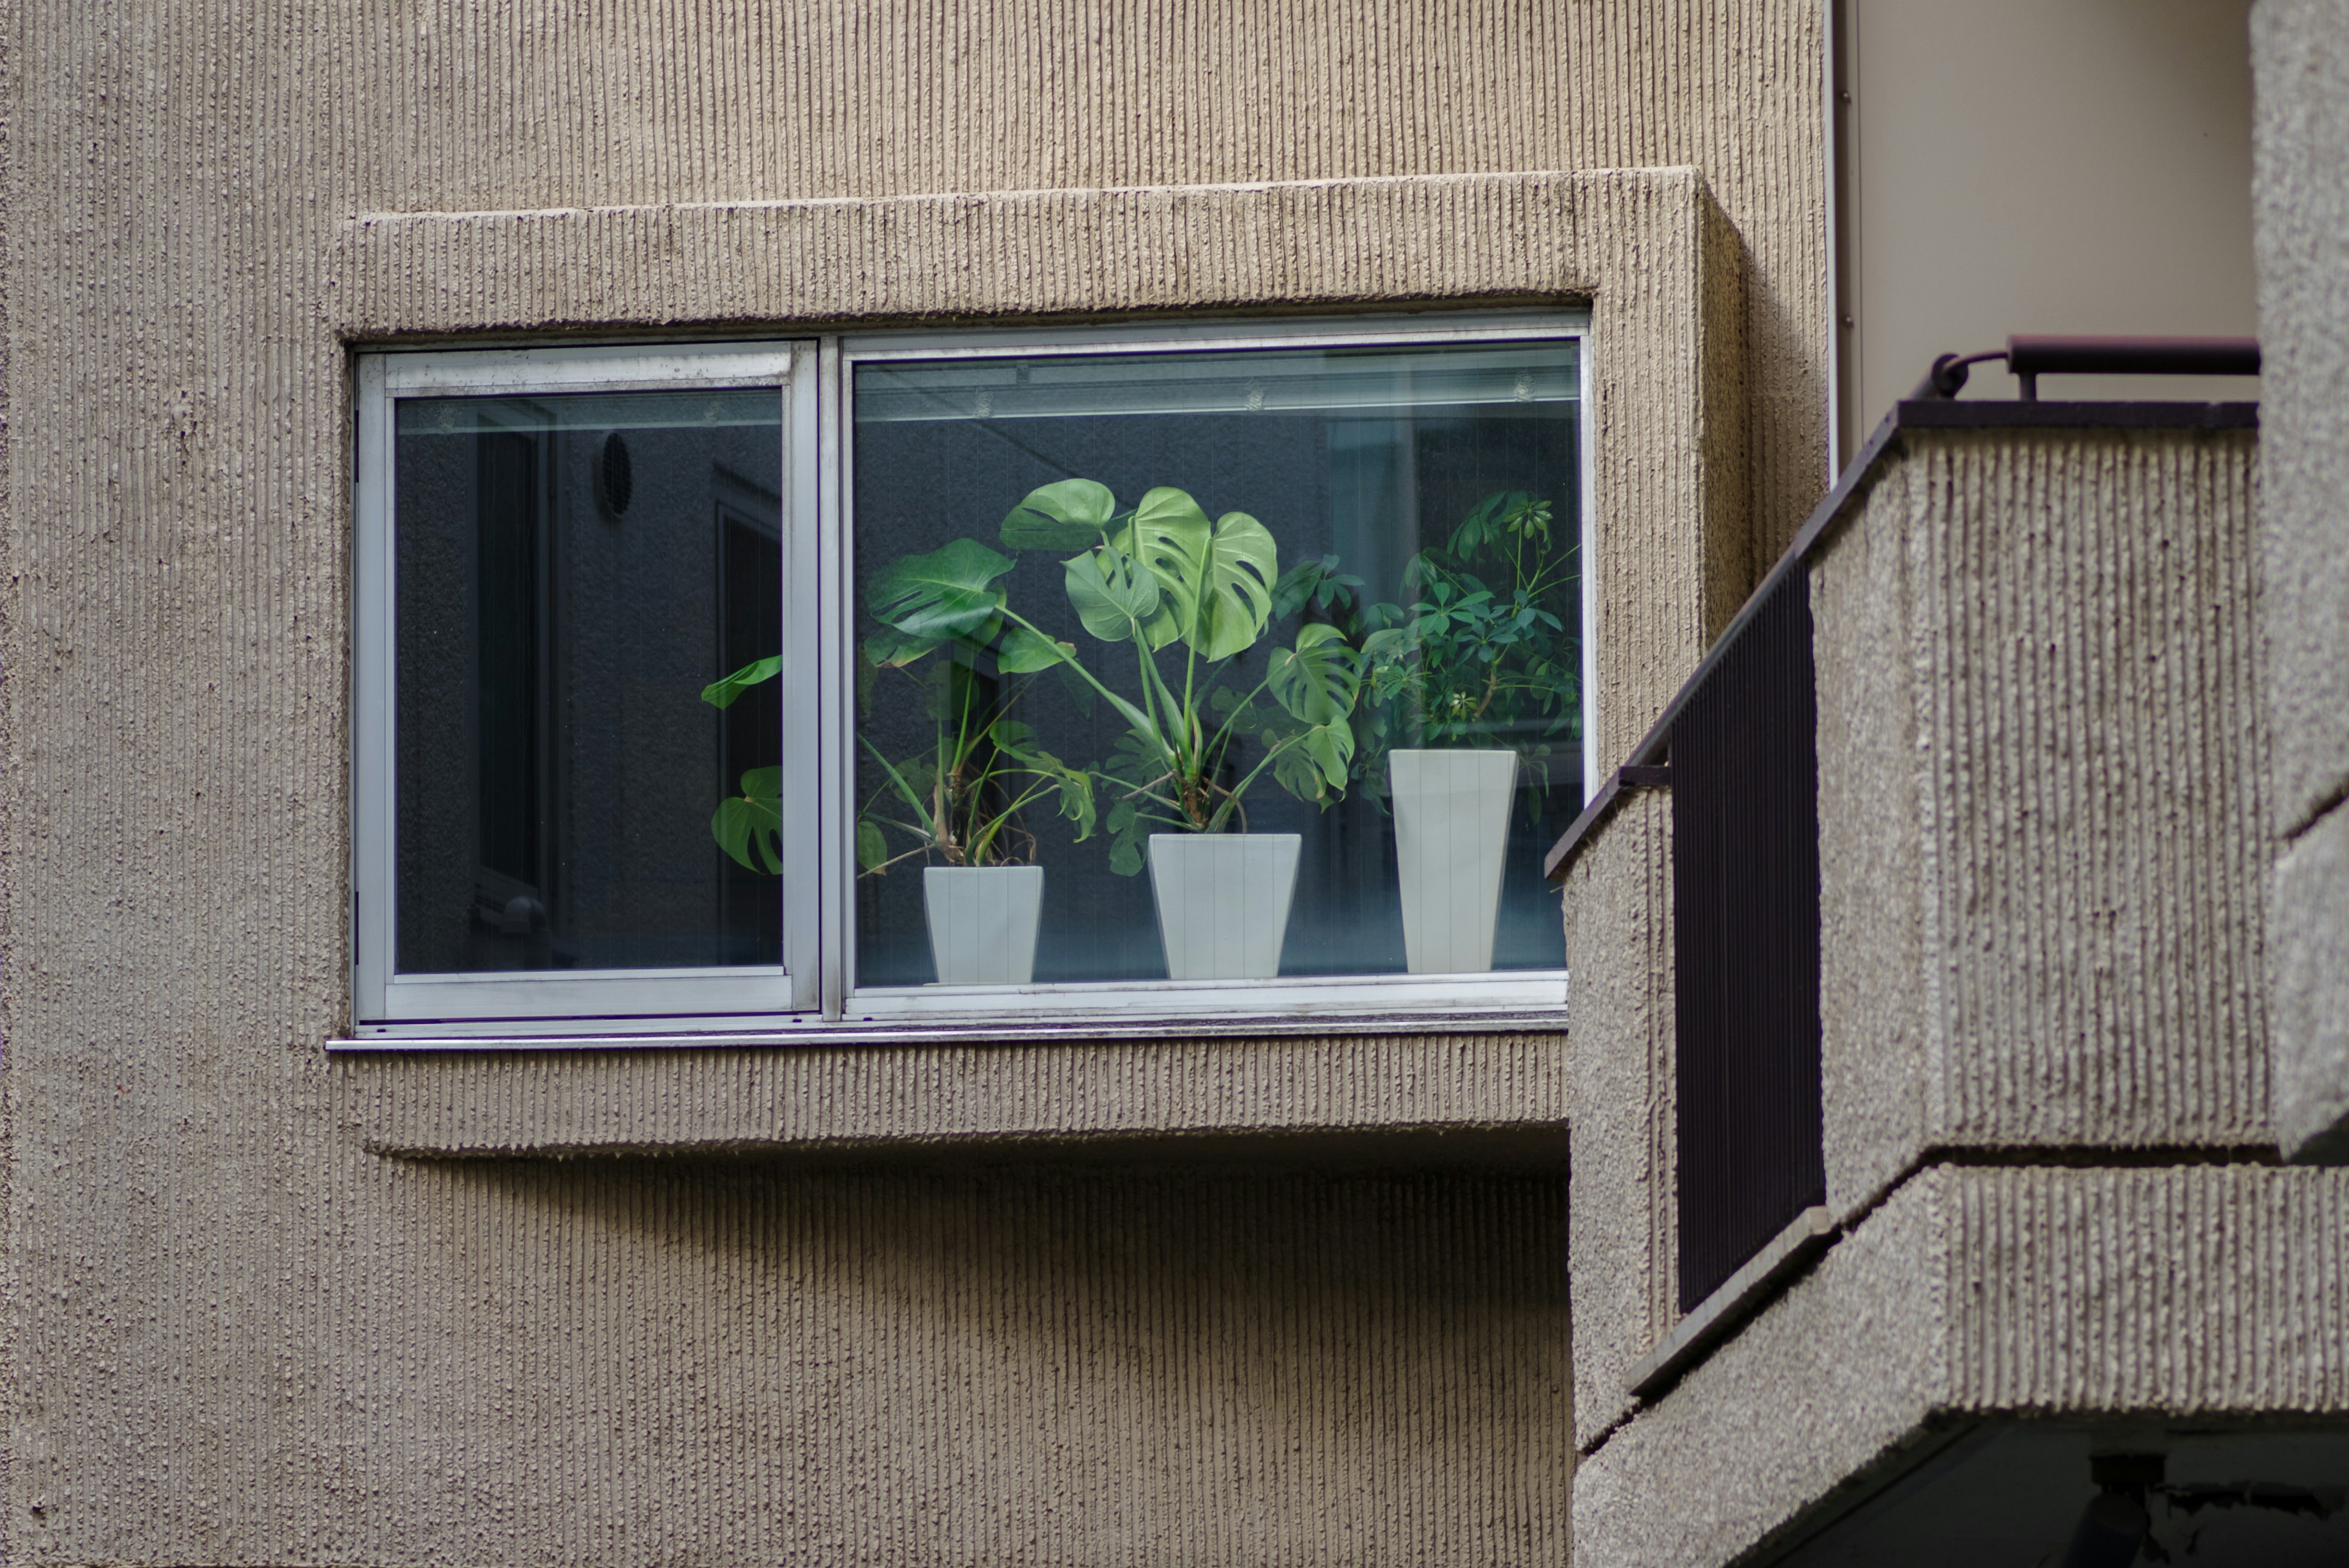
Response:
column 791, row 1247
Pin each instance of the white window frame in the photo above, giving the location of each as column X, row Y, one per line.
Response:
column 811, row 993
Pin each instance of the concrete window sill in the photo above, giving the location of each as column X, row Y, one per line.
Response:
column 1393, row 1099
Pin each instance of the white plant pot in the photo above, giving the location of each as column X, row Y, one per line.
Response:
column 983, row 922
column 1452, row 833
column 1223, row 901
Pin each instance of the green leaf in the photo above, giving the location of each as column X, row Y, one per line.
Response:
column 1317, row 764
column 1219, row 575
column 1024, row 652
column 890, row 649
column 1316, row 583
column 1318, row 680
column 872, row 848
column 948, row 593
column 751, row 830
column 1068, row 515
column 721, row 694
column 1116, row 597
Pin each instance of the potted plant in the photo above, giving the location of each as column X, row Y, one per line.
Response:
column 1480, row 672
column 1168, row 581
column 959, row 804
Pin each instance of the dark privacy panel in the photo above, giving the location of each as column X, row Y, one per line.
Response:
column 1745, row 886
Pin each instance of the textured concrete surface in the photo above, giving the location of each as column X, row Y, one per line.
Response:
column 234, row 1335
column 2040, row 781
column 1618, row 1068
column 1673, row 531
column 1878, row 1091
column 549, row 1363
column 2198, row 1295
column 2043, row 773
column 1482, row 1092
column 2300, row 56
column 2311, row 963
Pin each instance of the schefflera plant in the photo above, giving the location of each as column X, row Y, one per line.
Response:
column 1165, row 579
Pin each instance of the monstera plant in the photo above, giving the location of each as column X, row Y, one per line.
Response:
column 958, row 801
column 1187, row 594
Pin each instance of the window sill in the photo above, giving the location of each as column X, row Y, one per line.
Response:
column 1456, row 1090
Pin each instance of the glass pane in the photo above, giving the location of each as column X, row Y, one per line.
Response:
column 574, row 571
column 1216, row 666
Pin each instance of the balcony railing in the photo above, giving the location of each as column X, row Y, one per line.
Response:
column 1746, row 931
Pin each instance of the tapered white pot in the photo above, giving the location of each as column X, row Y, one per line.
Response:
column 1452, row 831
column 983, row 922
column 1223, row 901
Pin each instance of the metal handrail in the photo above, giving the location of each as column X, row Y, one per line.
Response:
column 2029, row 355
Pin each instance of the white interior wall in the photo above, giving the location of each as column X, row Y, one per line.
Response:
column 2063, row 166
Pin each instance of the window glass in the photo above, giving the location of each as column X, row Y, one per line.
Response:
column 573, row 571
column 1213, row 666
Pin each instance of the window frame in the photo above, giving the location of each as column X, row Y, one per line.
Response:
column 606, row 999
column 811, row 993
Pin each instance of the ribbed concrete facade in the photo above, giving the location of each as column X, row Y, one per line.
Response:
column 2303, row 226
column 544, row 1363
column 1484, row 1096
column 2204, row 1295
column 238, row 1333
column 1624, row 1235
column 2043, row 768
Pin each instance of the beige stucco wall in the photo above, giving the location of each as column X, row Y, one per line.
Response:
column 2187, row 1297
column 2042, row 773
column 1622, row 1232
column 2064, row 166
column 236, row 1334
column 2300, row 53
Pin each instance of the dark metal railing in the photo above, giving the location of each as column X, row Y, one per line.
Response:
column 2029, row 355
column 1745, row 928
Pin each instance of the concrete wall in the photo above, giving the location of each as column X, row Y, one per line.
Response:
column 236, row 1333
column 2042, row 769
column 2185, row 1299
column 2301, row 51
column 547, row 1363
column 1624, row 1232
column 2042, row 783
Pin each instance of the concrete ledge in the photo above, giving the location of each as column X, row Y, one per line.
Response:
column 2210, row 1293
column 1388, row 1100
column 2309, row 952
column 1736, row 1301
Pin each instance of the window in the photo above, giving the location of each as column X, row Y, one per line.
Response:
column 923, row 678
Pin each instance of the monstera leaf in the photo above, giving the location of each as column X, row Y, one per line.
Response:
column 948, row 593
column 1069, row 516
column 721, row 694
column 1118, row 597
column 1024, row 651
column 1318, row 680
column 1318, row 763
column 1218, row 576
column 749, row 826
